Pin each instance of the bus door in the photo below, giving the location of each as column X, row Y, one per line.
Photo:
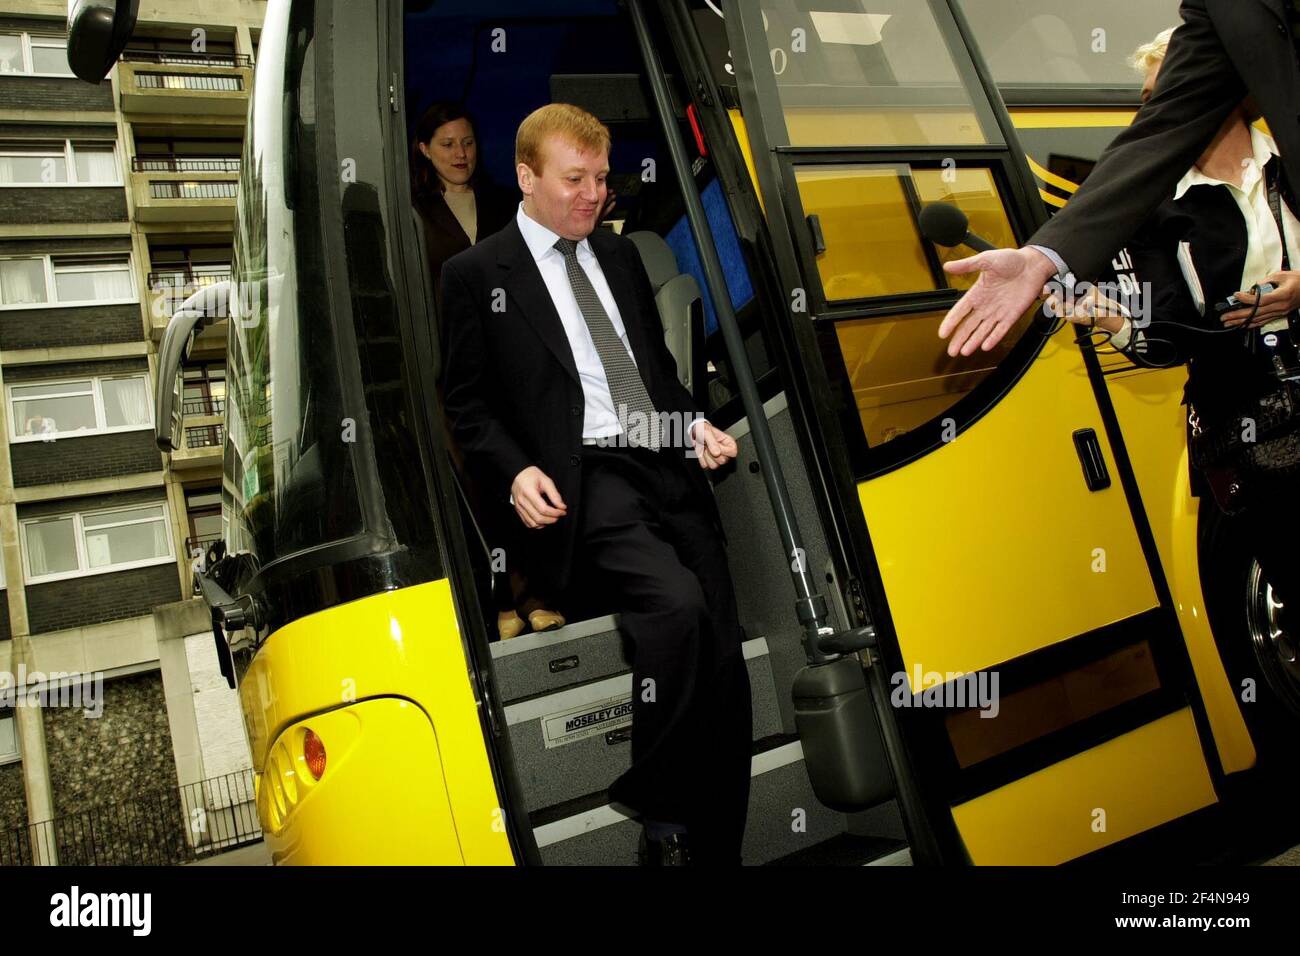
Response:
column 1035, row 660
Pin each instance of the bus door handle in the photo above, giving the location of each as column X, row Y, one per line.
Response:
column 1095, row 473
column 818, row 237
column 622, row 735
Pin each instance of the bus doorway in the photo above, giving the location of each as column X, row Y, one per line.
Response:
column 565, row 695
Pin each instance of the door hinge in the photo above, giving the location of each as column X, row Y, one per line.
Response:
column 392, row 93
column 857, row 601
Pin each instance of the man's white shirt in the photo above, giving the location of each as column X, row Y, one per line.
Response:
column 600, row 419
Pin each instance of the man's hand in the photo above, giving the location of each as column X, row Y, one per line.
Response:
column 1010, row 280
column 713, row 446
column 1278, row 304
column 531, row 490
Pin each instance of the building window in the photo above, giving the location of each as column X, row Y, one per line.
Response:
column 44, row 411
column 9, row 738
column 75, row 545
column 58, row 163
column 66, row 280
column 27, row 55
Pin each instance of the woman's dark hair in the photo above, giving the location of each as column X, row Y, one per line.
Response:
column 424, row 179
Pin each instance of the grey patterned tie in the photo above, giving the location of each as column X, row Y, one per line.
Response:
column 625, row 385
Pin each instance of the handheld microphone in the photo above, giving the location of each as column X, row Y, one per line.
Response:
column 945, row 225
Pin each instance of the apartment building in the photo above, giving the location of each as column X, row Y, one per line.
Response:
column 115, row 201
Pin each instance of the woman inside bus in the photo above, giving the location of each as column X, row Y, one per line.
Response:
column 1229, row 228
column 458, row 206
column 457, row 203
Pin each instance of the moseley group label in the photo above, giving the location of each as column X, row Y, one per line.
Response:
column 586, row 720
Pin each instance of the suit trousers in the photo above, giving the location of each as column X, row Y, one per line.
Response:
column 646, row 546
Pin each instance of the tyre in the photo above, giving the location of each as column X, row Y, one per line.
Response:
column 1257, row 641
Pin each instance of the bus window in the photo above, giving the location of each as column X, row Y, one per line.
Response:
column 1063, row 44
column 898, row 372
column 868, row 220
column 852, row 72
column 861, row 106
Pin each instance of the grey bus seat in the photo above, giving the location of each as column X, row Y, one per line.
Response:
column 677, row 297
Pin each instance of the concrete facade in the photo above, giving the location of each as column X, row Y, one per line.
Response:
column 165, row 722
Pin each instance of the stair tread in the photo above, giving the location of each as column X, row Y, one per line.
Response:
column 591, row 627
column 846, row 849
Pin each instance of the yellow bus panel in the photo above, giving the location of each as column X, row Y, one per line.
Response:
column 1104, row 795
column 404, row 643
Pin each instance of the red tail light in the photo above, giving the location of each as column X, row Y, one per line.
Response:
column 313, row 751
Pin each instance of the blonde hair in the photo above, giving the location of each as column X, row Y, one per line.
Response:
column 1151, row 54
column 562, row 119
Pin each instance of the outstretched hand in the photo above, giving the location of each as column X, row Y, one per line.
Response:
column 1010, row 280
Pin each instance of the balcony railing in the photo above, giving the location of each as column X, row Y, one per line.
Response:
column 183, row 58
column 201, row 542
column 204, row 406
column 204, row 436
column 203, row 190
column 162, row 281
column 162, row 828
column 171, row 163
column 189, row 81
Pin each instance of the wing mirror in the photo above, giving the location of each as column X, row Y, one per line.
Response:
column 206, row 306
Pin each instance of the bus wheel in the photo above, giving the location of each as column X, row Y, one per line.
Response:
column 1257, row 642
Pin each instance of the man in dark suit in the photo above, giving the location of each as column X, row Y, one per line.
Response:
column 1223, row 51
column 564, row 397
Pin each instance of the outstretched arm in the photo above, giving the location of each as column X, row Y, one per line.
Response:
column 1198, row 87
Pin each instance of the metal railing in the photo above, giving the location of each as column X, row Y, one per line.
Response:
column 159, row 828
column 204, row 436
column 203, row 406
column 220, row 189
column 171, row 163
column 201, row 542
column 189, row 82
column 159, row 281
column 187, row 58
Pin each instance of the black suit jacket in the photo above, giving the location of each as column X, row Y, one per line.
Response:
column 1223, row 50
column 511, row 384
column 443, row 235
column 1223, row 371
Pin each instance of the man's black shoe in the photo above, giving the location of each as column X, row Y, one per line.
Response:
column 672, row 850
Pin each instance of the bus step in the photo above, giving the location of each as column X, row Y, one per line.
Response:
column 847, row 849
column 535, row 664
column 577, row 740
column 784, row 817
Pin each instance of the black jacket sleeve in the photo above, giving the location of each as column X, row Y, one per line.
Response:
column 490, row 451
column 1198, row 87
column 1163, row 337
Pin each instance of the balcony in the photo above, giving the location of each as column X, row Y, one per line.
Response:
column 202, row 84
column 169, row 188
column 201, row 438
